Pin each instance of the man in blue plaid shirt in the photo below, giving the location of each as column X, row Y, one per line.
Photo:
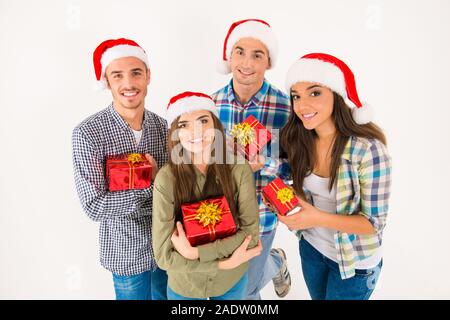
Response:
column 250, row 48
column 122, row 128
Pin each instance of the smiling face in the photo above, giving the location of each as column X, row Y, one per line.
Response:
column 313, row 105
column 196, row 131
column 249, row 61
column 128, row 79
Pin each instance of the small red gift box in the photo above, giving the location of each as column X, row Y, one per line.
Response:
column 281, row 197
column 208, row 220
column 250, row 136
column 125, row 172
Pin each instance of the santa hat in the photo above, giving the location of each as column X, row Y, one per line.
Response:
column 250, row 28
column 113, row 49
column 188, row 102
column 333, row 73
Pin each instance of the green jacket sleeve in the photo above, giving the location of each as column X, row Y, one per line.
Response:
column 248, row 212
column 163, row 224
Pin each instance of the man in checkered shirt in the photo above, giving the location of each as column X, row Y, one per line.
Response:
column 250, row 48
column 123, row 127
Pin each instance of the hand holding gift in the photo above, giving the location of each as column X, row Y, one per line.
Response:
column 181, row 243
column 308, row 217
column 129, row 171
column 280, row 198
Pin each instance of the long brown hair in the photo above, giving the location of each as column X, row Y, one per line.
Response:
column 299, row 143
column 218, row 176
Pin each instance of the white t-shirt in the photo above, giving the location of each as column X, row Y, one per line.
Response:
column 322, row 239
column 137, row 136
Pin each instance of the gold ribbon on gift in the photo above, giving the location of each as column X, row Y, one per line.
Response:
column 285, row 195
column 208, row 215
column 243, row 133
column 135, row 158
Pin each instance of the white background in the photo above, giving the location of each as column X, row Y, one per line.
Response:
column 398, row 50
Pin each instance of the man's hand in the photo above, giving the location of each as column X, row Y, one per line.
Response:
column 257, row 162
column 153, row 164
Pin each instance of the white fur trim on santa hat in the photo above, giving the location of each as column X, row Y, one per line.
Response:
column 189, row 104
column 363, row 114
column 313, row 70
column 223, row 67
column 255, row 30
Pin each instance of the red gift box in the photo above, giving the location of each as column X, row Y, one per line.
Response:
column 281, row 197
column 250, row 137
column 208, row 220
column 128, row 171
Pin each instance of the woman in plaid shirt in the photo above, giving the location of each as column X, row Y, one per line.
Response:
column 341, row 170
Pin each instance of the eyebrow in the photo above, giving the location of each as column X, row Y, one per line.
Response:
column 309, row 88
column 199, row 118
column 120, row 71
column 254, row 51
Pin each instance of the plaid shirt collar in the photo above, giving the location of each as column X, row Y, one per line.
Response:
column 120, row 121
column 255, row 100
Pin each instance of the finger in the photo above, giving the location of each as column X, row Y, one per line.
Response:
column 281, row 218
column 180, row 228
column 246, row 241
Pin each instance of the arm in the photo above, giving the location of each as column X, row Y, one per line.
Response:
column 374, row 184
column 98, row 203
column 163, row 225
column 248, row 212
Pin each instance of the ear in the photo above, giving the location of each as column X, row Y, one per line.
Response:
column 269, row 66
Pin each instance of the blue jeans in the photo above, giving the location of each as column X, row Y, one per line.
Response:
column 263, row 268
column 149, row 285
column 237, row 292
column 324, row 281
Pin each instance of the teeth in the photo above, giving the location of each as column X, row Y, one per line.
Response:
column 129, row 94
column 309, row 115
column 197, row 140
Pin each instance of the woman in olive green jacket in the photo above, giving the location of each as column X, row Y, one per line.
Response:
column 198, row 170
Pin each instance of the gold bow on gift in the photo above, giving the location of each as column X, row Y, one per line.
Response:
column 243, row 133
column 134, row 158
column 209, row 213
column 285, row 195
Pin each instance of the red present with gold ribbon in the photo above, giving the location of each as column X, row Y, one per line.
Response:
column 250, row 136
column 208, row 220
column 129, row 171
column 281, row 197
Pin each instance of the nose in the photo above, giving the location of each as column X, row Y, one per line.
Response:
column 246, row 61
column 127, row 81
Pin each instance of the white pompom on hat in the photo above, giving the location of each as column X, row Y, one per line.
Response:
column 249, row 28
column 110, row 50
column 189, row 101
column 333, row 73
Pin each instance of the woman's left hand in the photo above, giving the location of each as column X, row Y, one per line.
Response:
column 181, row 243
column 308, row 217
